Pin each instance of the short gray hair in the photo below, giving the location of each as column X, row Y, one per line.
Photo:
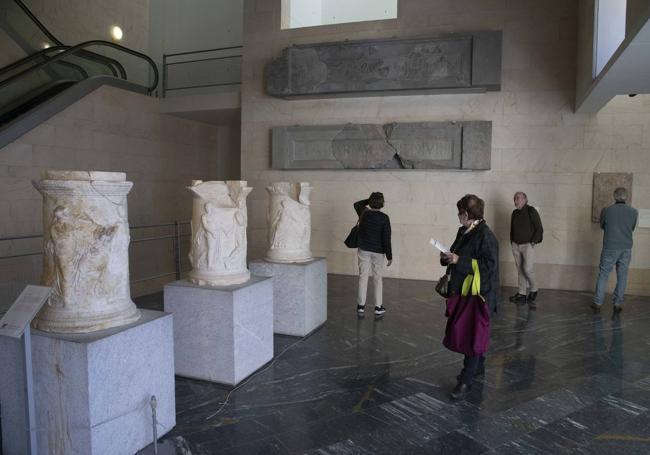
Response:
column 620, row 194
column 522, row 193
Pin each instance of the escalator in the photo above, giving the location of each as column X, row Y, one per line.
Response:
column 40, row 75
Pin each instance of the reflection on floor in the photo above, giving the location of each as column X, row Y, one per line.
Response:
column 559, row 380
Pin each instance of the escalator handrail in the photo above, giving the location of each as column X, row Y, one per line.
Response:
column 73, row 49
column 38, row 23
column 43, row 53
column 29, row 58
column 111, row 63
column 78, row 68
column 89, row 55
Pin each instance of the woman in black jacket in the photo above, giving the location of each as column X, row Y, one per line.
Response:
column 475, row 240
column 374, row 244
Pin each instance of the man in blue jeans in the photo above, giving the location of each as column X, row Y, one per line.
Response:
column 618, row 222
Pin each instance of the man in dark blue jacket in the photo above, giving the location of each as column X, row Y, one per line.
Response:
column 618, row 222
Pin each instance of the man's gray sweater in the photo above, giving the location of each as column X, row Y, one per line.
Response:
column 618, row 221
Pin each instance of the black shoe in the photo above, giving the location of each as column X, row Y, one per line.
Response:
column 379, row 310
column 532, row 296
column 519, row 299
column 617, row 309
column 478, row 375
column 361, row 309
column 460, row 392
column 595, row 307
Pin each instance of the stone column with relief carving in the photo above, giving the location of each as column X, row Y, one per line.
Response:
column 219, row 221
column 289, row 222
column 86, row 251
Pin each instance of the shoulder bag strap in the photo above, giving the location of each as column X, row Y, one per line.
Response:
column 361, row 216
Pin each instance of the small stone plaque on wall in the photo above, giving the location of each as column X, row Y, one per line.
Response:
column 603, row 192
column 421, row 145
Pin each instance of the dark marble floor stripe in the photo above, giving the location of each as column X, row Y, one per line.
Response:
column 559, row 380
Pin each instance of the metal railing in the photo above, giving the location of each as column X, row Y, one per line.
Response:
column 175, row 237
column 178, row 59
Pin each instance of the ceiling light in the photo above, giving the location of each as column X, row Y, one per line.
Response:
column 45, row 45
column 116, row 33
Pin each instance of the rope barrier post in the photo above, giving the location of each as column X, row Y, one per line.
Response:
column 29, row 389
column 164, row 81
column 154, row 404
column 177, row 249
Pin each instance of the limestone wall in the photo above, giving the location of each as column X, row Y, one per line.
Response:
column 75, row 21
column 9, row 50
column 634, row 12
column 109, row 130
column 539, row 145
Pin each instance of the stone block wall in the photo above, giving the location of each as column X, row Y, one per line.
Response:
column 109, row 130
column 538, row 145
column 75, row 21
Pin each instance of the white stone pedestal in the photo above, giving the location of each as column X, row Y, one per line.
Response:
column 299, row 294
column 93, row 390
column 221, row 334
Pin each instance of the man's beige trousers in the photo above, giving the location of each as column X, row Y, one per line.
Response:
column 525, row 260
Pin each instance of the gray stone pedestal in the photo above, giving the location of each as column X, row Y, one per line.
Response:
column 299, row 294
column 93, row 390
column 221, row 334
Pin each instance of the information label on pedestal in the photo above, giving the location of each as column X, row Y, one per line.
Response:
column 23, row 310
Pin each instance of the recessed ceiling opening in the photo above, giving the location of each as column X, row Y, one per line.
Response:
column 311, row 13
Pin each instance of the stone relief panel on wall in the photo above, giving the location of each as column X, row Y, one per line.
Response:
column 603, row 190
column 422, row 145
column 86, row 251
column 463, row 62
column 219, row 221
column 289, row 221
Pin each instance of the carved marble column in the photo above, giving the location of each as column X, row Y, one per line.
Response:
column 86, row 257
column 289, row 221
column 219, row 220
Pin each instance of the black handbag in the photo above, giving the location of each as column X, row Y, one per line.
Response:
column 352, row 240
column 442, row 287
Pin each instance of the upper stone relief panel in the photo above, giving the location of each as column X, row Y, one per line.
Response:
column 456, row 63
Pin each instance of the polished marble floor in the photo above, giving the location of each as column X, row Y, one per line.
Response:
column 560, row 379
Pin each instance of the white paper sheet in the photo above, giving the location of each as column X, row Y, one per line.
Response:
column 439, row 246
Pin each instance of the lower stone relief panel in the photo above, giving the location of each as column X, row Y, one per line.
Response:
column 422, row 145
